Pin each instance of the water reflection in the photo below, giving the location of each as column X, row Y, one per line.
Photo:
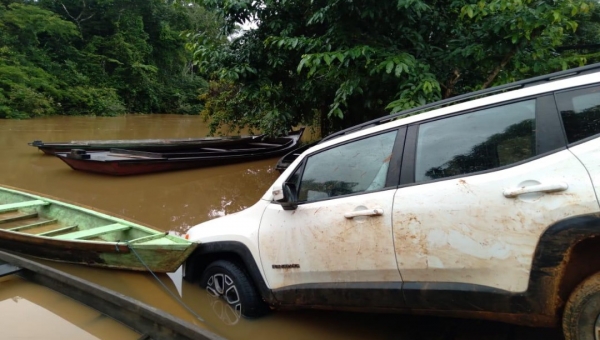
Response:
column 222, row 310
column 234, row 198
column 54, row 315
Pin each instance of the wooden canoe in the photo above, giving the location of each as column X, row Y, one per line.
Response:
column 120, row 162
column 53, row 230
column 291, row 156
column 153, row 145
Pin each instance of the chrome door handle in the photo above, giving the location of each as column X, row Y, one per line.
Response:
column 366, row 212
column 552, row 187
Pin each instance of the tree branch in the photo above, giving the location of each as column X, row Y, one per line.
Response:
column 508, row 57
column 78, row 20
column 499, row 67
column 450, row 83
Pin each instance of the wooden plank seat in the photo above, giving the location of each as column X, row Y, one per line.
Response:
column 32, row 225
column 18, row 218
column 135, row 153
column 147, row 238
column 265, row 144
column 56, row 231
column 90, row 233
column 214, row 149
column 18, row 205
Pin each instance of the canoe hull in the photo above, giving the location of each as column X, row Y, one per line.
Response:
column 285, row 161
column 135, row 164
column 138, row 167
column 106, row 255
column 49, row 229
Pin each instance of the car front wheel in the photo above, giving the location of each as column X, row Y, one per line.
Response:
column 228, row 281
column 581, row 319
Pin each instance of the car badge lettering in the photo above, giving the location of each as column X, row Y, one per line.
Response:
column 285, row 266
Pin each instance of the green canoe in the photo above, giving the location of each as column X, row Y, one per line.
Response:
column 49, row 229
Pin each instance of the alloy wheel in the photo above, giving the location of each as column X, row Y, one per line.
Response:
column 221, row 285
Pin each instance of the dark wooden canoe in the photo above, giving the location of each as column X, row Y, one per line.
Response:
column 58, row 231
column 150, row 321
column 120, row 162
column 291, row 156
column 152, row 145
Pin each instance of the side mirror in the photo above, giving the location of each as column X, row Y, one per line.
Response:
column 288, row 202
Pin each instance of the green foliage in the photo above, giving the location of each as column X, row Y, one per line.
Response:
column 223, row 99
column 24, row 102
column 92, row 101
column 98, row 57
column 344, row 61
column 25, row 91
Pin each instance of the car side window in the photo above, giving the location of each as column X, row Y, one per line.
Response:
column 476, row 141
column 350, row 168
column 580, row 112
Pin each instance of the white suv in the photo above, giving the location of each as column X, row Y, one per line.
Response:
column 486, row 208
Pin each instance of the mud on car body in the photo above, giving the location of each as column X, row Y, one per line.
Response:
column 486, row 208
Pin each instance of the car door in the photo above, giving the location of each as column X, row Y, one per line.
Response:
column 477, row 191
column 580, row 112
column 340, row 234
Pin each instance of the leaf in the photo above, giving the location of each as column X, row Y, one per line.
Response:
column 470, row 12
column 302, row 62
column 399, row 69
column 337, row 112
column 389, row 66
column 584, row 7
column 556, row 15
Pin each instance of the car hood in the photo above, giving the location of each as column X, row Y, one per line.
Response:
column 241, row 226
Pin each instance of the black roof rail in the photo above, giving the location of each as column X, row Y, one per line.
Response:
column 506, row 87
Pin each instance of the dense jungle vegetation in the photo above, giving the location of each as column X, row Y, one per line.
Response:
column 333, row 63
column 98, row 57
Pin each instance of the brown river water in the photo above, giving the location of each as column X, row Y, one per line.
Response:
column 174, row 201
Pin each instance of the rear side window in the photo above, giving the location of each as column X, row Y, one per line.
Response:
column 580, row 112
column 476, row 141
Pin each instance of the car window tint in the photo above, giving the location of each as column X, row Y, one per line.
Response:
column 476, row 141
column 347, row 169
column 580, row 112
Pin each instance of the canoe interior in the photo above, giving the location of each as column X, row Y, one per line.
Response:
column 142, row 141
column 151, row 145
column 290, row 157
column 59, row 231
column 59, row 222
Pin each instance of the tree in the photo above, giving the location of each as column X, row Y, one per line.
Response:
column 98, row 57
column 346, row 61
column 25, row 31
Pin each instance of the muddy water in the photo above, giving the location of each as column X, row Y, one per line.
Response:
column 56, row 316
column 174, row 201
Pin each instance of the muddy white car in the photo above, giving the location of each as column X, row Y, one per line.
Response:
column 486, row 208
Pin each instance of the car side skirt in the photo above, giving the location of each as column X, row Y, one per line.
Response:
column 425, row 298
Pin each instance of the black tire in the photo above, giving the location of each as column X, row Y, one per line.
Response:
column 229, row 281
column 583, row 310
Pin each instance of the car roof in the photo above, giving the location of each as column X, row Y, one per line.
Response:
column 577, row 77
